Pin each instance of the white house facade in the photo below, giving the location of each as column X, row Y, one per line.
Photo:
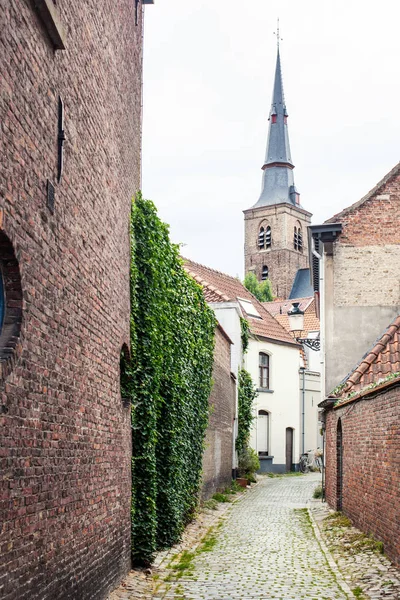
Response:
column 276, row 428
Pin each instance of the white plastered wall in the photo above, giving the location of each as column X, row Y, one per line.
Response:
column 282, row 401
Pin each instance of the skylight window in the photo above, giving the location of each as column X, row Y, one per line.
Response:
column 249, row 308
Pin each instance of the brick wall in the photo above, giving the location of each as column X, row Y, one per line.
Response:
column 65, row 452
column 362, row 280
column 371, row 466
column 282, row 259
column 368, row 251
column 217, row 458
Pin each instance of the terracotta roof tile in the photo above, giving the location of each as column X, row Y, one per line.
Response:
column 280, row 311
column 382, row 360
column 219, row 287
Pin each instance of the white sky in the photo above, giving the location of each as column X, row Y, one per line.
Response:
column 208, row 76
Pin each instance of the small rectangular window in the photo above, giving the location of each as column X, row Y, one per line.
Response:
column 264, row 370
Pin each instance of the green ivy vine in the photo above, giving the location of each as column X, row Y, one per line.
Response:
column 246, row 394
column 245, row 334
column 168, row 380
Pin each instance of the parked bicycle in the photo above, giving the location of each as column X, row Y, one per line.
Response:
column 311, row 461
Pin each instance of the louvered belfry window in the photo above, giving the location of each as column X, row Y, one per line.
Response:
column 298, row 239
column 268, row 237
column 264, row 238
column 264, row 273
column 261, row 238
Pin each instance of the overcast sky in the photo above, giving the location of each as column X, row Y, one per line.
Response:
column 208, row 76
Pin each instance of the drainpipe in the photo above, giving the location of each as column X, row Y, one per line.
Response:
column 303, row 403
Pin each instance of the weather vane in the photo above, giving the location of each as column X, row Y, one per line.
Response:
column 278, row 38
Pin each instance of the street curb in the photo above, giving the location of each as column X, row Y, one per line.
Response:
column 332, row 564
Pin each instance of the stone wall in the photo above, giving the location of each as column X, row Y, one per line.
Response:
column 218, row 454
column 66, row 438
column 371, row 466
column 282, row 260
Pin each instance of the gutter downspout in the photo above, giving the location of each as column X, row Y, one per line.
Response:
column 303, row 404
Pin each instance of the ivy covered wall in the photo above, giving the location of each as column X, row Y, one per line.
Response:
column 168, row 380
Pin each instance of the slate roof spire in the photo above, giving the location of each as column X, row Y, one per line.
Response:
column 278, row 183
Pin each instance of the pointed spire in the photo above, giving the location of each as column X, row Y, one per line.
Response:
column 278, row 183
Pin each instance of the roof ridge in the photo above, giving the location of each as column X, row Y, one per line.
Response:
column 189, row 260
column 367, row 196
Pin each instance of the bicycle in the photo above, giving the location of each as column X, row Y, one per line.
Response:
column 310, row 461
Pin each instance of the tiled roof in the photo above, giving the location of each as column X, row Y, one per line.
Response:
column 280, row 309
column 377, row 367
column 337, row 218
column 219, row 287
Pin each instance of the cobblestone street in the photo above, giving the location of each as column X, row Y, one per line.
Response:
column 270, row 543
column 266, row 548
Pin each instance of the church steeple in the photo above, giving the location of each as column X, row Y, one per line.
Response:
column 278, row 183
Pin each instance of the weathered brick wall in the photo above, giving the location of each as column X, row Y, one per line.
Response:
column 282, row 259
column 65, row 451
column 371, row 466
column 367, row 253
column 376, row 221
column 362, row 280
column 217, row 458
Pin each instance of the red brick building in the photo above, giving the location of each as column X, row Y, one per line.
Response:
column 218, row 454
column 363, row 443
column 70, row 144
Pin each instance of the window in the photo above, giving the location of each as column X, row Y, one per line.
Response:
column 264, row 238
column 263, row 433
column 268, row 237
column 298, row 239
column 261, row 238
column 10, row 306
column 264, row 370
column 249, row 308
column 264, row 273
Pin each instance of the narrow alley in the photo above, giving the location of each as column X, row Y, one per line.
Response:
column 266, row 548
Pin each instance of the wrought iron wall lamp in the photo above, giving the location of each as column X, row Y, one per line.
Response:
column 296, row 325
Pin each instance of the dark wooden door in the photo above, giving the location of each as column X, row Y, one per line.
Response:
column 289, row 449
column 339, row 466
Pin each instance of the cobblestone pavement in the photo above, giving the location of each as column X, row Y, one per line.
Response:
column 266, row 548
column 365, row 570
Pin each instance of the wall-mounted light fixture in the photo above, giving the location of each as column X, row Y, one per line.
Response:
column 296, row 326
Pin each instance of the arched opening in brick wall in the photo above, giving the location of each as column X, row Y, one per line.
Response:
column 10, row 306
column 125, row 375
column 339, row 466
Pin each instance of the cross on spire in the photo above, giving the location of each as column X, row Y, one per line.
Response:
column 278, row 37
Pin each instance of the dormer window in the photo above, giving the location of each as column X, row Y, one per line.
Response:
column 273, row 118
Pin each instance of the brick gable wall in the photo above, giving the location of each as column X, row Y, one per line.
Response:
column 66, row 445
column 376, row 221
column 217, row 458
column 371, row 466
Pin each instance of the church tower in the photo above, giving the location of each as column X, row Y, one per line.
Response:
column 276, row 243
